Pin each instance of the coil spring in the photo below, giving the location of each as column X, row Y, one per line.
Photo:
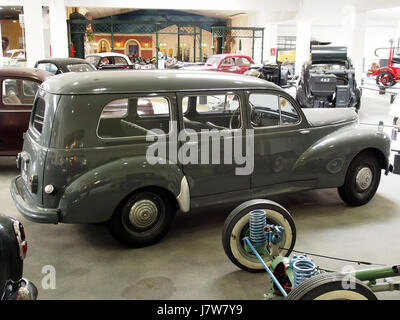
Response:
column 303, row 268
column 257, row 222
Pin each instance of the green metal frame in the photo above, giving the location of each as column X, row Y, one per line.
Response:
column 239, row 33
column 196, row 34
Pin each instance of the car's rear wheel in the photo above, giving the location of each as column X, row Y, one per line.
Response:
column 362, row 179
column 143, row 219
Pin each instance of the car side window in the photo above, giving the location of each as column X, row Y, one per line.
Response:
column 18, row 91
column 48, row 67
column 105, row 60
column 270, row 110
column 219, row 111
column 289, row 114
column 120, row 61
column 228, row 62
column 242, row 62
column 134, row 117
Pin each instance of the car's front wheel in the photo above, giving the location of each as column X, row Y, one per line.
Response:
column 362, row 179
column 143, row 219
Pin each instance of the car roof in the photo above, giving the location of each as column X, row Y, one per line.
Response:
column 129, row 81
column 23, row 72
column 63, row 61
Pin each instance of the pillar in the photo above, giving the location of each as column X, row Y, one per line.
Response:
column 33, row 22
column 303, row 39
column 58, row 29
column 357, row 47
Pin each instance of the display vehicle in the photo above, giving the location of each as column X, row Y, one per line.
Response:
column 229, row 62
column 387, row 72
column 85, row 161
column 328, row 80
column 13, row 249
column 62, row 65
column 110, row 61
column 18, row 89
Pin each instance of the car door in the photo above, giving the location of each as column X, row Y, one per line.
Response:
column 205, row 119
column 17, row 95
column 281, row 135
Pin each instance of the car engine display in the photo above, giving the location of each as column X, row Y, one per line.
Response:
column 270, row 71
column 327, row 80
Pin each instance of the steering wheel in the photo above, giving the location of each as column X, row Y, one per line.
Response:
column 255, row 118
column 232, row 116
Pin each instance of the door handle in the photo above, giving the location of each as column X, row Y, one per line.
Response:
column 304, row 131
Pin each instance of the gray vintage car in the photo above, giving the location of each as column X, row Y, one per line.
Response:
column 89, row 155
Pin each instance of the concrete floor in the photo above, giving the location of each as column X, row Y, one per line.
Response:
column 190, row 262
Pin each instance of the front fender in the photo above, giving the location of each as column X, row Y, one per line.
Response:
column 94, row 196
column 328, row 159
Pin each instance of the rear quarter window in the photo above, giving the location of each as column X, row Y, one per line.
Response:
column 134, row 117
column 38, row 111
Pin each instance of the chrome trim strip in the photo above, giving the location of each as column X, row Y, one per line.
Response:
column 183, row 197
column 15, row 111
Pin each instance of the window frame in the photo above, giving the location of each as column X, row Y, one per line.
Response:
column 299, row 124
column 172, row 115
column 20, row 90
column 238, row 92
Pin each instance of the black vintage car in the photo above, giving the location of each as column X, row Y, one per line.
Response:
column 13, row 248
column 63, row 65
column 327, row 80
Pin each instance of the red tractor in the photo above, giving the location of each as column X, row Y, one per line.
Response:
column 387, row 75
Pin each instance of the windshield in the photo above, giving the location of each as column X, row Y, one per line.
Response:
column 213, row 60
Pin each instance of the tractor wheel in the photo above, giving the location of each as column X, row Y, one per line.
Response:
column 331, row 286
column 385, row 79
column 236, row 227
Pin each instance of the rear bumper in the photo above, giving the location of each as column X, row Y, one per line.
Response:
column 28, row 208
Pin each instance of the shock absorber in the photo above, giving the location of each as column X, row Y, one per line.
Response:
column 303, row 268
column 257, row 223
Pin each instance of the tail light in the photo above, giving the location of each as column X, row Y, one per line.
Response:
column 21, row 239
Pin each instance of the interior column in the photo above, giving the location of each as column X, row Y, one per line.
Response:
column 303, row 38
column 33, row 22
column 58, row 29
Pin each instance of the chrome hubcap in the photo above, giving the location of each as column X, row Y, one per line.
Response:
column 364, row 178
column 143, row 214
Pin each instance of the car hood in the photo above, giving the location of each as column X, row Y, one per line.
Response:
column 329, row 116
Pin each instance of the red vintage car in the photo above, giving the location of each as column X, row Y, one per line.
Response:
column 233, row 63
column 18, row 90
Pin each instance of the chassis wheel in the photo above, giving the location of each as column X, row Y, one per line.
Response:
column 143, row 219
column 362, row 179
column 236, row 227
column 385, row 79
column 331, row 286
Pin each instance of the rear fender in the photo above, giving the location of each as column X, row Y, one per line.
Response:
column 94, row 196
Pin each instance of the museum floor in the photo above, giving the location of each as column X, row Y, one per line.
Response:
column 190, row 262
